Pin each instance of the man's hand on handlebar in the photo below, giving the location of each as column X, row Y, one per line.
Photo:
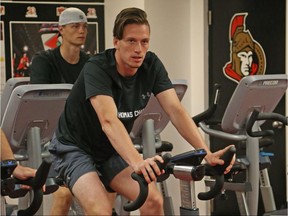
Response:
column 149, row 168
column 24, row 173
column 214, row 158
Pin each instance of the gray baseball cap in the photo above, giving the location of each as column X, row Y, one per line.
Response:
column 72, row 15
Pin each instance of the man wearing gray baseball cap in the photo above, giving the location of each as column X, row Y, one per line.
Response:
column 63, row 63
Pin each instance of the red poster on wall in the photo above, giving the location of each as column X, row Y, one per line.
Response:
column 29, row 27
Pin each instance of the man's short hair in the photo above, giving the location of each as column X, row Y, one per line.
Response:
column 128, row 16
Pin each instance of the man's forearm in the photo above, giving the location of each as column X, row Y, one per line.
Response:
column 6, row 151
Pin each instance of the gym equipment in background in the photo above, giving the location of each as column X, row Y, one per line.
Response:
column 251, row 104
column 30, row 118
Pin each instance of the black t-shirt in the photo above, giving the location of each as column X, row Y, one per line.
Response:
column 49, row 67
column 79, row 123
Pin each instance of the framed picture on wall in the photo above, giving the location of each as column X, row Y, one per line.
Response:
column 30, row 27
column 28, row 38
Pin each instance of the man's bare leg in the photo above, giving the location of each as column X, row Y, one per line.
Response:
column 92, row 195
column 62, row 199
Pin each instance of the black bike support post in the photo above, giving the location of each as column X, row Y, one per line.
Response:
column 149, row 150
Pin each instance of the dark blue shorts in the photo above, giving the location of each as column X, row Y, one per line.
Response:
column 70, row 162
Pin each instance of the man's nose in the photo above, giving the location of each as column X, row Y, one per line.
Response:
column 82, row 28
column 138, row 47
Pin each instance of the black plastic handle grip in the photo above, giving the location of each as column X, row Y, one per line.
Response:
column 212, row 107
column 140, row 200
column 257, row 116
column 218, row 172
column 253, row 118
column 36, row 183
column 273, row 116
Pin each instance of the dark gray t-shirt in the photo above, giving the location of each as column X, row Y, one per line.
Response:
column 79, row 123
column 49, row 67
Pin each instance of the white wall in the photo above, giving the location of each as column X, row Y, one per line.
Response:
column 177, row 37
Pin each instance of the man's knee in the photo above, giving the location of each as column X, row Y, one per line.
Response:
column 154, row 201
column 64, row 194
column 97, row 207
column 98, row 210
column 62, row 200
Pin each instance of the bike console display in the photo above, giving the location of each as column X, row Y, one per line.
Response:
column 33, row 106
column 257, row 92
column 190, row 158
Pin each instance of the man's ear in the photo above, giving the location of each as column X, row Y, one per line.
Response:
column 60, row 28
column 115, row 42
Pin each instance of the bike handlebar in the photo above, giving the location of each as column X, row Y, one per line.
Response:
column 203, row 120
column 221, row 134
column 140, row 200
column 218, row 172
column 257, row 116
column 142, row 195
column 37, row 184
column 207, row 114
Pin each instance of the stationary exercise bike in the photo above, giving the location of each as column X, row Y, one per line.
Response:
column 245, row 113
column 251, row 104
column 29, row 115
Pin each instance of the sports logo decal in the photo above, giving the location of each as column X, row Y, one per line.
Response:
column 246, row 54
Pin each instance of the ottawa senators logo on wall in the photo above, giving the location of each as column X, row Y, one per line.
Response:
column 246, row 55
